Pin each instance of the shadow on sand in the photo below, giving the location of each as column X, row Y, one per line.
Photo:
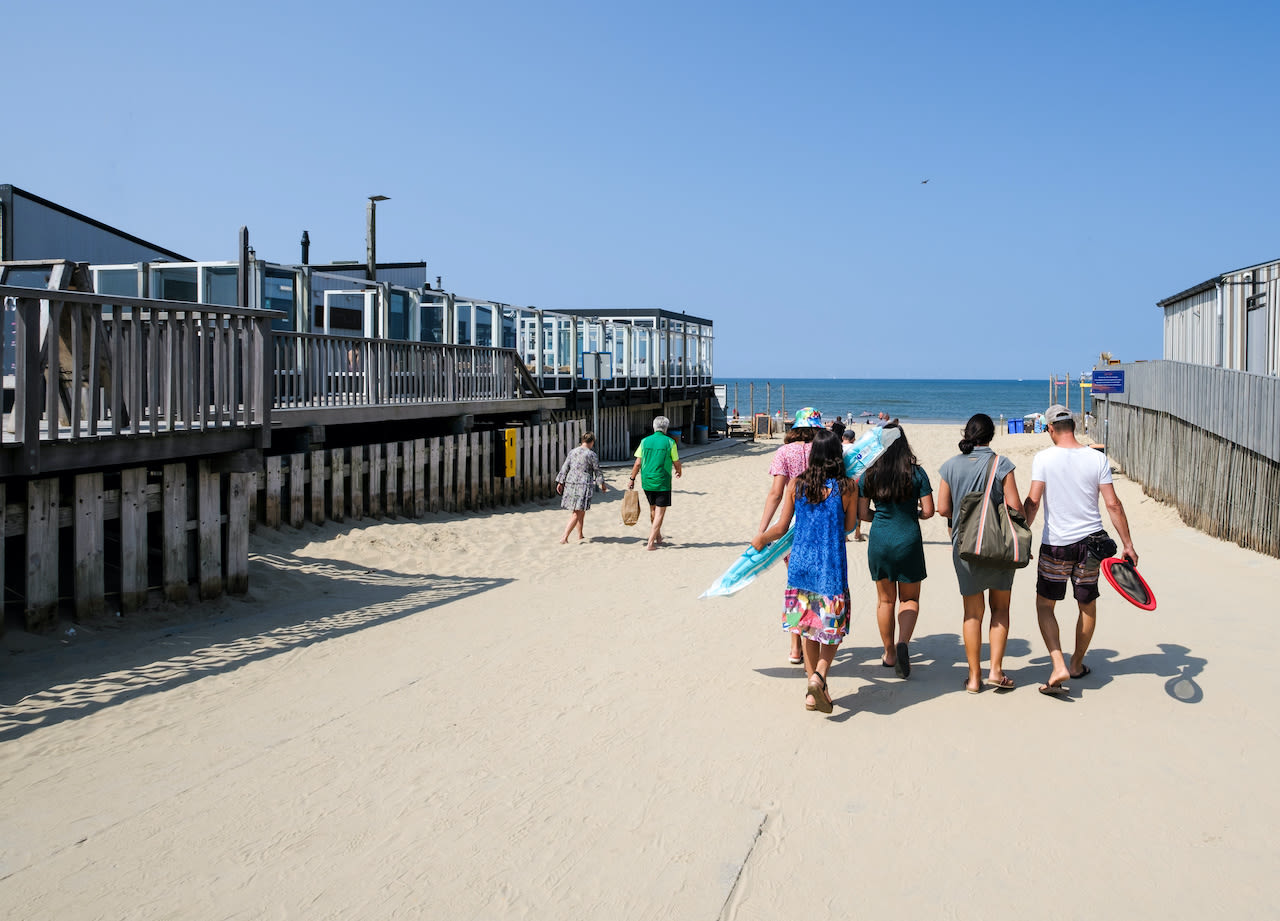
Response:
column 49, row 687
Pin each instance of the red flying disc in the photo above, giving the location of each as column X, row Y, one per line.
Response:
column 1125, row 580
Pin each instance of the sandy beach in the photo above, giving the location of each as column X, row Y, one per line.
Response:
column 459, row 718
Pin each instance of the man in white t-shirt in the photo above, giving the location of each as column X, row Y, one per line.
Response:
column 1067, row 480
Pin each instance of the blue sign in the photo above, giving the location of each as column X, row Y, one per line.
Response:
column 1108, row 382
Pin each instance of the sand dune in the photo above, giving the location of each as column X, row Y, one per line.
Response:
column 460, row 718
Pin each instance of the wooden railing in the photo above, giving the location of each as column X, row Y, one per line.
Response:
column 91, row 366
column 317, row 371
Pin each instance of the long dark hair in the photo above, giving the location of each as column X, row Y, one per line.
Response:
column 892, row 478
column 801, row 433
column 826, row 462
column 978, row 431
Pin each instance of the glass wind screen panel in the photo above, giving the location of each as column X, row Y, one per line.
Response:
column 463, row 325
column 484, row 326
column 399, row 325
column 347, row 312
column 432, row 322
column 278, row 294
column 508, row 332
column 123, row 282
column 221, row 285
column 176, row 284
column 27, row 277
column 564, row 347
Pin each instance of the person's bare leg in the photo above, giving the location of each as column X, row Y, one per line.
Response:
column 575, row 520
column 886, row 600
column 1085, row 625
column 908, row 609
column 809, row 650
column 655, row 532
column 972, row 630
column 817, row 661
column 999, row 632
column 1052, row 641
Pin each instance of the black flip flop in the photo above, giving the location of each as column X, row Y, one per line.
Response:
column 1084, row 670
column 903, row 667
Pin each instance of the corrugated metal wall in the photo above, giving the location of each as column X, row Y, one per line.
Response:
column 1235, row 326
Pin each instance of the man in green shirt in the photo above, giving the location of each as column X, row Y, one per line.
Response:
column 655, row 459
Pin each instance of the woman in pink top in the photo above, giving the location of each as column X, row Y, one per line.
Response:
column 790, row 460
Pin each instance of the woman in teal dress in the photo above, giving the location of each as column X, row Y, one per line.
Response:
column 895, row 496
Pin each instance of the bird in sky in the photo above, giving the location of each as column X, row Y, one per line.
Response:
column 924, row 181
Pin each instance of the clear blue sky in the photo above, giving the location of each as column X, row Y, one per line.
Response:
column 760, row 164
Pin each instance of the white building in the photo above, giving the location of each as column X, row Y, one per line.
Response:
column 1230, row 321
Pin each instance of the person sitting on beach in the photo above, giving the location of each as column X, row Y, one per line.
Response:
column 965, row 473
column 903, row 497
column 816, row 601
column 579, row 475
column 850, row 437
column 789, row 461
column 1068, row 479
column 656, row 457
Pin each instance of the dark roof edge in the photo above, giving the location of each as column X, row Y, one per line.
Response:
column 1195, row 289
column 12, row 189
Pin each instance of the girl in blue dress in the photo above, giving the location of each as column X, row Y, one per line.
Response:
column 903, row 497
column 824, row 503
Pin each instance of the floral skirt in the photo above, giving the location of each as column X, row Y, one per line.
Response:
column 823, row 618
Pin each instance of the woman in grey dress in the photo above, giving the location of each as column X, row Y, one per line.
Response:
column 575, row 483
column 961, row 475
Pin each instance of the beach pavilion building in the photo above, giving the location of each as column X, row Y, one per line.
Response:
column 157, row 408
column 1229, row 321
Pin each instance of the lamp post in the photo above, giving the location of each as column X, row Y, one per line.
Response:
column 371, row 234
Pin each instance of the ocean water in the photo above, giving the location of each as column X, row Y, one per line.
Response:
column 909, row 400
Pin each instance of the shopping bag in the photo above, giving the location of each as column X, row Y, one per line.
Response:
column 630, row 507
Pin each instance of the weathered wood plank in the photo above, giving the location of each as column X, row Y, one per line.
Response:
column 209, row 531
column 173, row 552
column 133, row 538
column 473, row 471
column 41, row 612
column 433, row 475
column 297, row 489
column 89, row 585
column 272, row 498
column 337, row 484
column 373, row 497
column 357, row 482
column 407, row 461
column 391, row 450
column 449, row 495
column 420, row 461
column 239, row 489
column 318, row 477
column 486, row 468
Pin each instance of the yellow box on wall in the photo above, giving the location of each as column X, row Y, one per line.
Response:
column 509, row 468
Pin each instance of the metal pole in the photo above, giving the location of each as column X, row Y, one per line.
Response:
column 243, row 279
column 595, row 394
column 1106, row 430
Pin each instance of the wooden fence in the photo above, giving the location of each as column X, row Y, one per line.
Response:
column 1206, row 440
column 103, row 542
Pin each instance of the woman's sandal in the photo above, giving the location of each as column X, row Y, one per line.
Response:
column 818, row 691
